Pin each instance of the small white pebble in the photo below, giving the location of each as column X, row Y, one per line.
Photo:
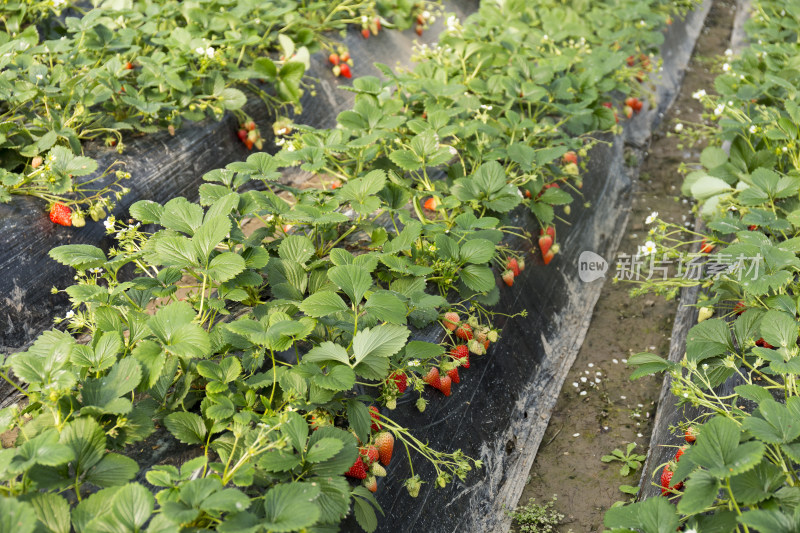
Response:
column 575, row 384
column 598, row 373
column 624, row 360
column 605, row 427
column 591, row 365
column 639, row 405
column 652, row 347
column 615, row 361
column 639, row 435
column 583, row 393
column 597, row 380
column 583, row 379
column 623, row 398
column 576, row 434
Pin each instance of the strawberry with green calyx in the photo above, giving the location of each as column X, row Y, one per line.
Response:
column 690, row 435
column 492, row 336
column 545, row 243
column 344, row 70
column 432, row 377
column 421, row 404
column 377, row 470
column 666, row 479
column 365, row 33
column 628, row 111
column 570, row 158
column 77, row 219
column 333, row 59
column 376, row 416
column 464, row 331
column 358, row 470
column 413, row 484
column 371, row 482
column 385, row 444
column 680, row 452
column 61, row 214
column 369, row 454
column 739, row 308
column 508, row 277
column 445, row 382
column 476, row 347
column 521, row 264
column 513, row 266
column 451, row 320
column 461, row 354
column 706, row 247
column 320, row 418
column 400, row 380
column 764, row 344
column 453, row 374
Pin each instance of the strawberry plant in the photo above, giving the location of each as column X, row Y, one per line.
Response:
column 93, row 74
column 738, row 469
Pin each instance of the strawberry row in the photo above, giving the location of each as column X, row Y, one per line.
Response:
column 739, row 372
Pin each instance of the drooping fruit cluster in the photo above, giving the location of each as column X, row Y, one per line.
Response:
column 250, row 135
column 341, row 62
column 513, row 268
column 632, row 105
column 642, row 63
column 373, row 457
column 547, row 237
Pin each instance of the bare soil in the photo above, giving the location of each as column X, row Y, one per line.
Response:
column 600, row 408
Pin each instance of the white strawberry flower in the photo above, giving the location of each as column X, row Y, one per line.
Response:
column 69, row 314
column 678, row 127
column 648, row 248
column 653, row 216
column 697, row 95
column 719, row 109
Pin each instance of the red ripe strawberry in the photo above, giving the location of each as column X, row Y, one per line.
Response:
column 401, row 380
column 706, row 247
column 371, row 483
column 454, row 375
column 464, row 331
column 358, row 470
column 377, row 24
column 334, row 59
column 250, row 125
column 242, row 133
column 752, row 227
column 385, row 444
column 419, row 29
column 369, row 453
column 634, row 103
column 451, row 320
column 431, row 203
column 570, row 157
column 376, row 416
column 61, row 214
column 548, row 257
column 508, row 277
column 545, row 242
column 336, row 184
column 129, row 65
column 628, row 110
column 344, row 69
column 528, row 193
column 249, row 144
column 764, row 344
column 608, row 105
column 432, row 377
column 680, row 452
column 666, row 478
column 550, row 230
column 513, row 266
column 630, row 61
column 461, row 352
column 739, row 308
column 690, row 435
column 444, row 385
column 365, row 33
column 420, row 19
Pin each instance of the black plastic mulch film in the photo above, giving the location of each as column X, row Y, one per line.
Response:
column 501, row 408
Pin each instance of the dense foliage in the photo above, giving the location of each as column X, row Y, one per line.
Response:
column 741, row 474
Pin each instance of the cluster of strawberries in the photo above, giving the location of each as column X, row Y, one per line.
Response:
column 373, row 456
column 341, row 62
column 249, row 134
column 370, row 26
column 513, row 268
column 477, row 339
column 643, row 64
column 690, row 435
column 546, row 238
